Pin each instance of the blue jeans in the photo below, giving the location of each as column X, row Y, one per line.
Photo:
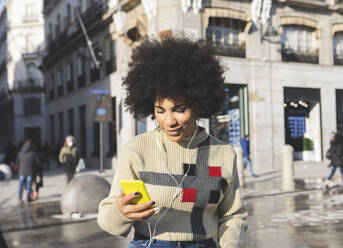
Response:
column 247, row 161
column 333, row 170
column 169, row 244
column 22, row 179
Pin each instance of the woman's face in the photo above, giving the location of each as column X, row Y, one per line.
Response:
column 175, row 117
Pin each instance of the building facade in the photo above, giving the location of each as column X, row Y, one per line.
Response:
column 282, row 61
column 21, row 82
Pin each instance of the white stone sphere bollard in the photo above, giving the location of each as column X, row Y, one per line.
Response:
column 6, row 170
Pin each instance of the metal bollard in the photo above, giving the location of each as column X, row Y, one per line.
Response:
column 287, row 168
column 239, row 160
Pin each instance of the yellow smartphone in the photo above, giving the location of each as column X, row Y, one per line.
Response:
column 131, row 186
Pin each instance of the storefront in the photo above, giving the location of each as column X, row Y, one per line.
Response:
column 303, row 123
column 232, row 122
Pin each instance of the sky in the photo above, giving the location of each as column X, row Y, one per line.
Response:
column 2, row 3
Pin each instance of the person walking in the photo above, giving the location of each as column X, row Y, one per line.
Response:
column 69, row 157
column 335, row 154
column 245, row 144
column 28, row 161
column 191, row 176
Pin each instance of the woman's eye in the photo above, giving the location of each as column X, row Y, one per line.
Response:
column 180, row 110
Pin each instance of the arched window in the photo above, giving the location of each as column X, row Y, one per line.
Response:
column 299, row 44
column 226, row 35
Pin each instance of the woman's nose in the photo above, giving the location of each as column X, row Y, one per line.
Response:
column 170, row 120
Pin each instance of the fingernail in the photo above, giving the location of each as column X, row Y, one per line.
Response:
column 152, row 203
column 156, row 209
column 136, row 193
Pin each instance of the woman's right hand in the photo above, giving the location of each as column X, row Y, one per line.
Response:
column 132, row 211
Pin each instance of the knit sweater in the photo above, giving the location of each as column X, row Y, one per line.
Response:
column 208, row 203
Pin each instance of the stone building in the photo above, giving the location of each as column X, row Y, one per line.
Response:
column 21, row 82
column 283, row 68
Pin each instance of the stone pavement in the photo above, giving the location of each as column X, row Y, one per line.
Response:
column 270, row 209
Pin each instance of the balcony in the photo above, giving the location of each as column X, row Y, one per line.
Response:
column 27, row 85
column 30, row 17
column 81, row 81
column 110, row 66
column 291, row 55
column 232, row 50
column 94, row 13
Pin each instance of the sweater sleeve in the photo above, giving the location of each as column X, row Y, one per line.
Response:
column 109, row 217
column 232, row 214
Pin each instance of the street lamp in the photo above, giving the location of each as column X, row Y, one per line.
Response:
column 269, row 32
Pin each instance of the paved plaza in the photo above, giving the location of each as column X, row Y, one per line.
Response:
column 309, row 217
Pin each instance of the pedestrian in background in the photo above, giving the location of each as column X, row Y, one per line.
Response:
column 38, row 177
column 28, row 161
column 335, row 154
column 69, row 157
column 245, row 143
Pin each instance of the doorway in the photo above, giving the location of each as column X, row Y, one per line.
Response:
column 303, row 123
column 33, row 133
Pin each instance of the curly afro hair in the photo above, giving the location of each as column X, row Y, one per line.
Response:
column 170, row 68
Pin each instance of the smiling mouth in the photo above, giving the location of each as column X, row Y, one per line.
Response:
column 174, row 132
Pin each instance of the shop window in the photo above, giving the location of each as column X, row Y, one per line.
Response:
column 339, row 110
column 226, row 34
column 338, row 48
column 112, row 130
column 298, row 44
column 231, row 123
column 96, row 140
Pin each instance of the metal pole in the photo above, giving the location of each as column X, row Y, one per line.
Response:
column 101, row 147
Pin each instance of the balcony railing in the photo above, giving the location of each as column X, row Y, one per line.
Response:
column 93, row 14
column 110, row 66
column 231, row 50
column 30, row 17
column 291, row 55
column 28, row 85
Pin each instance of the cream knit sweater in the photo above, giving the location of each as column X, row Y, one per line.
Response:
column 208, row 204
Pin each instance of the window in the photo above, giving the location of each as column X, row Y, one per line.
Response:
column 338, row 48
column 299, row 44
column 83, row 130
column 61, row 125
column 52, row 129
column 112, row 131
column 32, row 106
column 31, row 14
column 226, row 35
column 81, row 68
column 111, row 57
column 51, row 86
column 58, row 25
column 96, row 138
column 70, row 76
column 59, row 81
column 68, row 15
column 71, row 121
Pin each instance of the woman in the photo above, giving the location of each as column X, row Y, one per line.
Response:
column 190, row 176
column 69, row 157
column 336, row 157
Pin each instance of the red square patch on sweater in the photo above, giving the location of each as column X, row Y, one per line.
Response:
column 189, row 195
column 214, row 171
